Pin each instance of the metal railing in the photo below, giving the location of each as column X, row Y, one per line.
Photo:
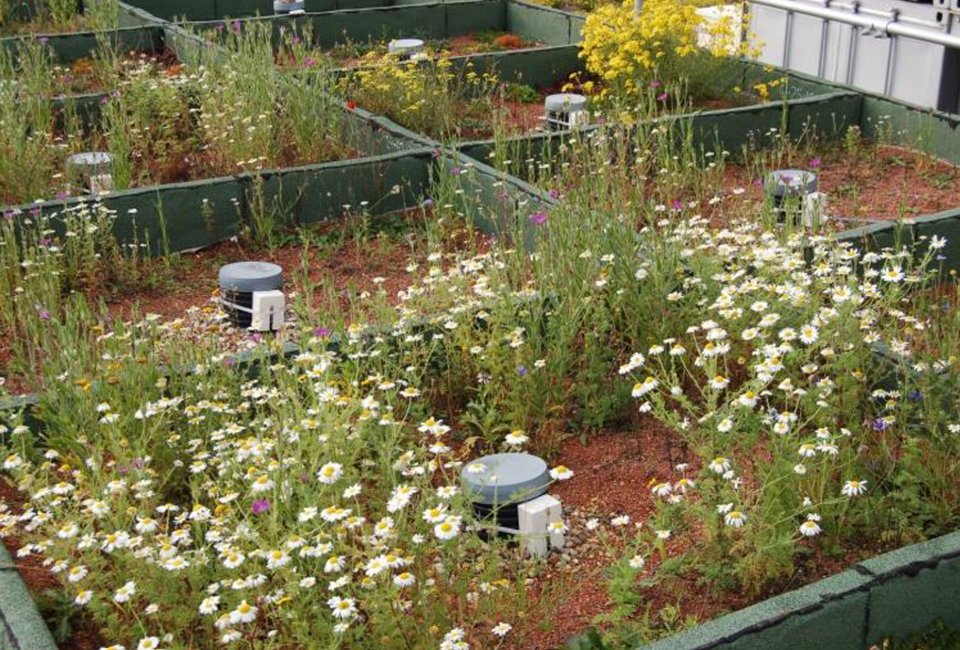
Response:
column 872, row 22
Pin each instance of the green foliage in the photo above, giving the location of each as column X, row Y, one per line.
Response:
column 523, row 93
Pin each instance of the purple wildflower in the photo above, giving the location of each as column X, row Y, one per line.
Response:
column 814, row 163
column 538, row 218
column 260, row 506
column 321, row 332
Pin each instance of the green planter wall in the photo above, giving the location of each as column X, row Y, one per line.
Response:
column 434, row 20
column 213, row 9
column 894, row 595
column 186, row 216
column 79, row 45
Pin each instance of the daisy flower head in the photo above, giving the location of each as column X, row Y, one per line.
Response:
column 892, row 274
column 719, row 382
column 209, row 605
column 636, row 360
column 244, row 613
column 810, row 528
column 662, row 490
column 330, row 473
column 476, row 468
column 735, row 519
column 853, row 488
column 404, row 579
column 447, row 529
column 809, row 334
column 719, row 465
column 641, row 388
column 125, row 593
column 342, row 608
column 77, row 573
column 501, row 629
column 516, row 438
column 435, row 515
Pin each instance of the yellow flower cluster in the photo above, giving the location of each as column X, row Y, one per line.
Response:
column 403, row 84
column 620, row 46
column 429, row 95
column 625, row 49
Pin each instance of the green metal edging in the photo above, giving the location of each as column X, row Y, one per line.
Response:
column 185, row 216
column 892, row 595
column 929, row 130
column 425, row 20
column 886, row 234
column 131, row 16
column 429, row 20
column 933, row 132
column 194, row 10
column 78, row 45
column 21, row 626
column 540, row 67
column 727, row 129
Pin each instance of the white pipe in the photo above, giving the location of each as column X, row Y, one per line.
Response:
column 885, row 27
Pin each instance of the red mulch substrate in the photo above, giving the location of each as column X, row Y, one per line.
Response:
column 879, row 182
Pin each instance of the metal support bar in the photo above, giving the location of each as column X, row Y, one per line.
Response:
column 787, row 41
column 824, row 35
column 852, row 61
column 888, row 26
column 891, row 60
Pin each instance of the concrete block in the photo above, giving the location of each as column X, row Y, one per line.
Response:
column 534, row 517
